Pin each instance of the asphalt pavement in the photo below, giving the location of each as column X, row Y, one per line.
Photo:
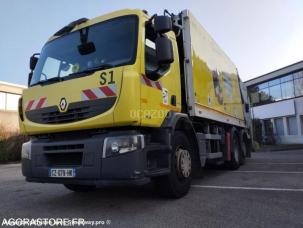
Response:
column 266, row 192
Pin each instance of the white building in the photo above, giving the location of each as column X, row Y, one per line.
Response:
column 277, row 99
column 9, row 96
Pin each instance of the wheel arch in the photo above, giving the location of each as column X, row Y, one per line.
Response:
column 181, row 122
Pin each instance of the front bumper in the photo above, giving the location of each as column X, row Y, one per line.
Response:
column 85, row 155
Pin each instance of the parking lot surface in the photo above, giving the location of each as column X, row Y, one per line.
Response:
column 266, row 192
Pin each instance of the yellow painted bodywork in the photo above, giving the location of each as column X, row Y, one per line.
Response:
column 138, row 104
column 134, row 100
column 221, row 97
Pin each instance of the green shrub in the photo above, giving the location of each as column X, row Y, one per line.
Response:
column 256, row 146
column 10, row 145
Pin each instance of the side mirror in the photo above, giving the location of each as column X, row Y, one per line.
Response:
column 164, row 50
column 33, row 62
column 162, row 24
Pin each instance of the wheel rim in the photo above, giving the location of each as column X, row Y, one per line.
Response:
column 183, row 163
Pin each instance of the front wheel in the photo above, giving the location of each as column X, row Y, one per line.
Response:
column 177, row 183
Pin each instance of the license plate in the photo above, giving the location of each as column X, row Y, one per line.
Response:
column 70, row 173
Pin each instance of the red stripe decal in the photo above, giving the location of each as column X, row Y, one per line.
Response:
column 158, row 85
column 90, row 94
column 40, row 103
column 147, row 81
column 107, row 91
column 29, row 106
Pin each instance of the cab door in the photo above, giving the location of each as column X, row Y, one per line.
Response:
column 158, row 97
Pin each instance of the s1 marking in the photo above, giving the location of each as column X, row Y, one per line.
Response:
column 107, row 78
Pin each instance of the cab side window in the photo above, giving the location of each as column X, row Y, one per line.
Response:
column 150, row 56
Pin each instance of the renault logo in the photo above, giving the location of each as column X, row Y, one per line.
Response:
column 63, row 104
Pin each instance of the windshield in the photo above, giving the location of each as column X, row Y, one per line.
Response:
column 114, row 41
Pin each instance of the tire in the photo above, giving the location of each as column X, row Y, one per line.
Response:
column 177, row 183
column 80, row 188
column 235, row 152
column 243, row 153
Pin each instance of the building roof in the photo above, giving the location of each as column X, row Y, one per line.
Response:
column 274, row 74
column 11, row 88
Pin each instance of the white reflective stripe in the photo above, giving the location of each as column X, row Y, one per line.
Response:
column 26, row 104
column 44, row 104
column 34, row 106
column 113, row 87
column 154, row 84
column 98, row 92
column 143, row 81
column 84, row 97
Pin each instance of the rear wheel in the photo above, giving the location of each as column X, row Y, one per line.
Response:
column 243, row 152
column 80, row 188
column 235, row 152
column 177, row 183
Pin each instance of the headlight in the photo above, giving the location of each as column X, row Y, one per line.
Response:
column 122, row 144
column 26, row 152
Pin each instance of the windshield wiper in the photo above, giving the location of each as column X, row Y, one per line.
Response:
column 91, row 70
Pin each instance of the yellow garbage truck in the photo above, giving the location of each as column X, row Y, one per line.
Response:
column 127, row 98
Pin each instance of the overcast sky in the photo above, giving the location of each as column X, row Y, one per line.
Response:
column 259, row 36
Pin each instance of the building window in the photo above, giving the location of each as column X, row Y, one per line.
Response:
column 285, row 87
column 298, row 82
column 279, row 126
column 2, row 101
column 275, row 92
column 9, row 101
column 287, row 90
column 268, row 128
column 12, row 102
column 264, row 95
column 292, row 125
column 254, row 95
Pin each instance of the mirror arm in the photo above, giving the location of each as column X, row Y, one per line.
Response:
column 167, row 12
column 151, row 19
column 30, row 75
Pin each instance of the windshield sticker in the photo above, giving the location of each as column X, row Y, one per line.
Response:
column 76, row 68
column 165, row 96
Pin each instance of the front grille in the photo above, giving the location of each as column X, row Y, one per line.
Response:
column 64, row 159
column 76, row 111
column 63, row 147
column 75, row 114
